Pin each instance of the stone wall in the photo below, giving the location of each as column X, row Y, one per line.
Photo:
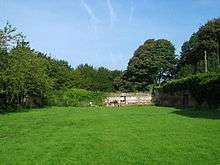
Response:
column 178, row 99
column 120, row 99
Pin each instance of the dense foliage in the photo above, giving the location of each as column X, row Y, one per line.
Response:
column 207, row 38
column 205, row 88
column 76, row 97
column 153, row 62
column 24, row 77
column 90, row 78
column 30, row 78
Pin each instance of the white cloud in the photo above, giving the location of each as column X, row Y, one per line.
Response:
column 94, row 20
column 112, row 14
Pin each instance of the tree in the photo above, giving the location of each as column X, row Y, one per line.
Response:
column 25, row 77
column 9, row 37
column 90, row 78
column 205, row 39
column 104, row 79
column 208, row 37
column 152, row 63
column 28, row 77
column 59, row 71
column 84, row 76
column 3, row 66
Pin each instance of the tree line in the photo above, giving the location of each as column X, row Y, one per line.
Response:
column 155, row 61
column 26, row 73
column 205, row 40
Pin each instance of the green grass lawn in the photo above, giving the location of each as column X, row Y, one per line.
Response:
column 127, row 135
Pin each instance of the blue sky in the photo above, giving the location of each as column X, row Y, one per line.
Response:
column 104, row 32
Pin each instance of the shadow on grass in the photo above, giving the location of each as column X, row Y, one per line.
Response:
column 20, row 110
column 195, row 112
column 199, row 113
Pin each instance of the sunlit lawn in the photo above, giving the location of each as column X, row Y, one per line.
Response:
column 98, row 135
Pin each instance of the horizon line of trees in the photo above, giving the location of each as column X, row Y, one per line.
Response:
column 29, row 77
column 155, row 61
column 27, row 74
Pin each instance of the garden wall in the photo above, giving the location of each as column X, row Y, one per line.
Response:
column 120, row 99
column 178, row 99
column 202, row 90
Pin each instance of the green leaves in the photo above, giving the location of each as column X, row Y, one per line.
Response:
column 76, row 97
column 9, row 37
column 152, row 63
column 26, row 75
column 207, row 38
column 203, row 87
column 90, row 78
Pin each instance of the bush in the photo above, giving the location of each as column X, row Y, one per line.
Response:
column 203, row 87
column 75, row 97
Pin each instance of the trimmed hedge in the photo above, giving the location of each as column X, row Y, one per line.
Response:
column 76, row 97
column 203, row 87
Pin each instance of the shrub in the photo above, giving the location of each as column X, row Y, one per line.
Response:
column 75, row 97
column 203, row 87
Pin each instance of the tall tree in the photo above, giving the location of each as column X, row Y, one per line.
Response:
column 152, row 63
column 205, row 39
column 25, row 76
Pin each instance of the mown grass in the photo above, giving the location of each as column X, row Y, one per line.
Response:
column 99, row 135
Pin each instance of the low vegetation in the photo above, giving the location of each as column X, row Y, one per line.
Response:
column 76, row 97
column 98, row 135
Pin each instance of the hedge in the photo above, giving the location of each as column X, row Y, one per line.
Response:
column 203, row 87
